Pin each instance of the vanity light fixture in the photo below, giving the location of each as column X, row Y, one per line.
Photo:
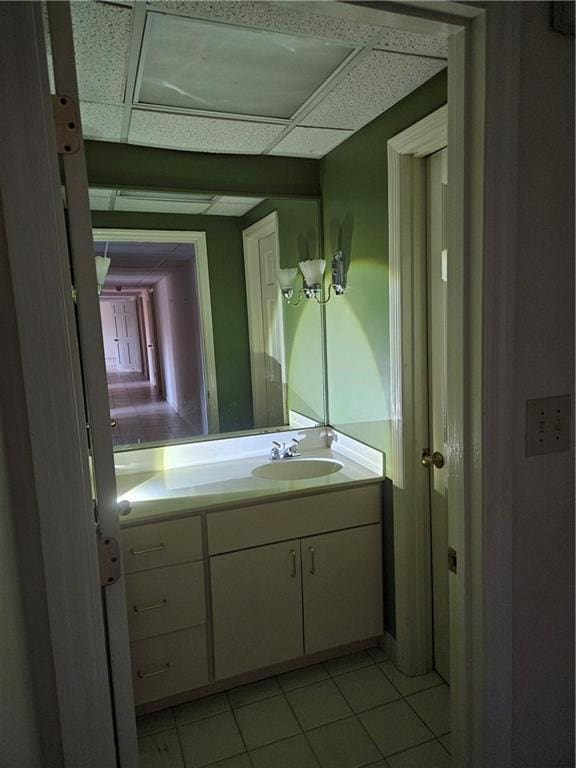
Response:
column 102, row 267
column 312, row 271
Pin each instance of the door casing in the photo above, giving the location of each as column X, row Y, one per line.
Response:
column 484, row 69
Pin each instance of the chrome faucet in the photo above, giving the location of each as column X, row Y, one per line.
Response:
column 283, row 451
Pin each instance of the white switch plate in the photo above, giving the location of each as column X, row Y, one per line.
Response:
column 547, row 425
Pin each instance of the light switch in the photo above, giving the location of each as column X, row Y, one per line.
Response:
column 547, row 425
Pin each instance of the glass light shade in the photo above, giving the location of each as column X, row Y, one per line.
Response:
column 286, row 278
column 102, row 267
column 313, row 270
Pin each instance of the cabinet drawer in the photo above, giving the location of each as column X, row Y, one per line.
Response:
column 169, row 664
column 165, row 599
column 259, row 524
column 151, row 546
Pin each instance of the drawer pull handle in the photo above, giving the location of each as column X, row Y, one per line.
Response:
column 161, row 671
column 293, row 562
column 155, row 548
column 312, row 560
column 151, row 607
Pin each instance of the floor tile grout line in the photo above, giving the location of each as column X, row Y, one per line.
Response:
column 239, row 731
column 444, row 747
column 420, row 717
column 414, row 746
column 303, row 731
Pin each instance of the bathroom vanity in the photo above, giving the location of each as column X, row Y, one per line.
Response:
column 231, row 580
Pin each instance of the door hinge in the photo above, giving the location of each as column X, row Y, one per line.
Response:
column 109, row 559
column 452, row 560
column 66, row 124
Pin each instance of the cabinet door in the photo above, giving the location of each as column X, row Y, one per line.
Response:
column 342, row 575
column 256, row 607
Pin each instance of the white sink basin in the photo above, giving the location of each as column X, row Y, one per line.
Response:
column 297, row 469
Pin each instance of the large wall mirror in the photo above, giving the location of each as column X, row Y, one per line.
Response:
column 198, row 338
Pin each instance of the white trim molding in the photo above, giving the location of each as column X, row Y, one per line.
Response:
column 198, row 239
column 409, row 384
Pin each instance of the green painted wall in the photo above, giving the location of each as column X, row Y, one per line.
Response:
column 228, row 298
column 299, row 238
column 355, row 217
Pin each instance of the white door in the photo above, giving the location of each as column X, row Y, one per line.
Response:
column 256, row 607
column 265, row 322
column 342, row 578
column 108, row 335
column 127, row 336
column 437, row 259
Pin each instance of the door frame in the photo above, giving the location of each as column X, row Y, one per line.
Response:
column 268, row 225
column 484, row 56
column 198, row 240
column 57, row 509
column 413, row 647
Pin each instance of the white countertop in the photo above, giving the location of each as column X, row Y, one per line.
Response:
column 157, row 494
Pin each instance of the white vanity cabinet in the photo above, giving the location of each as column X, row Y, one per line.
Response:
column 281, row 580
column 256, row 608
column 166, row 604
column 276, row 602
column 342, row 587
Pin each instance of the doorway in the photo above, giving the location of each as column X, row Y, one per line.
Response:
column 437, row 279
column 158, row 339
column 265, row 322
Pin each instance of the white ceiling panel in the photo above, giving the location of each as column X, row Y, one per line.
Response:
column 157, row 206
column 377, row 83
column 272, row 16
column 101, row 121
column 191, row 64
column 251, row 201
column 200, row 134
column 224, row 208
column 310, row 142
column 101, row 39
column 100, row 199
column 412, row 42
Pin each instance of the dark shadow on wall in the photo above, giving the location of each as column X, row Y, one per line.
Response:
column 307, row 245
column 341, row 231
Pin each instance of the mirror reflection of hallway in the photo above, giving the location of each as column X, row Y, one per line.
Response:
column 152, row 345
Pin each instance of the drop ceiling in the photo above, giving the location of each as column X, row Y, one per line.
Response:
column 239, row 77
column 169, row 202
column 136, row 266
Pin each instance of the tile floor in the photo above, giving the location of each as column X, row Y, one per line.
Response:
column 142, row 416
column 352, row 712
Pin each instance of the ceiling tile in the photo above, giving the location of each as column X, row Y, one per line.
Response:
column 194, row 64
column 101, row 40
column 101, row 121
column 272, row 16
column 222, row 208
column 251, row 201
column 200, row 134
column 372, row 87
column 413, row 42
column 157, row 206
column 310, row 142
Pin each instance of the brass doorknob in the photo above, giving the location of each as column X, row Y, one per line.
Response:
column 434, row 460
